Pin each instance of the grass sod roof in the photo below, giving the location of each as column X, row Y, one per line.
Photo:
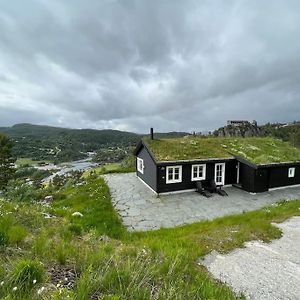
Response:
column 257, row 150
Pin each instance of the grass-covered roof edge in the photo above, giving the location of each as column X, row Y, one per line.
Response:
column 293, row 156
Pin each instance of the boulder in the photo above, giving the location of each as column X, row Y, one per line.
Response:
column 48, row 199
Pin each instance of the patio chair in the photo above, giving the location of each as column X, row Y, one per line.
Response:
column 213, row 188
column 200, row 189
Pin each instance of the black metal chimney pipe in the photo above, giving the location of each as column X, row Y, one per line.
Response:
column 151, row 133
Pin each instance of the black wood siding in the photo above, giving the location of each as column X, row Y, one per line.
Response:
column 187, row 183
column 278, row 176
column 247, row 177
column 261, row 180
column 150, row 174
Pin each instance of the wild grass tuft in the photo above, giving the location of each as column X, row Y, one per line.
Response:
column 16, row 234
column 26, row 274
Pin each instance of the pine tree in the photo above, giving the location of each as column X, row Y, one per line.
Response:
column 6, row 161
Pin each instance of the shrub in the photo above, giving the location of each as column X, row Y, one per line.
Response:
column 26, row 273
column 16, row 234
column 18, row 190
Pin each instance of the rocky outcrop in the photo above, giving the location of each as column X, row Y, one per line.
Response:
column 246, row 130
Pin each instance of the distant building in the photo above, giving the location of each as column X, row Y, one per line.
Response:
column 241, row 123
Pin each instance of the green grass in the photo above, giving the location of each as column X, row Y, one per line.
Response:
column 257, row 150
column 125, row 166
column 28, row 161
column 222, row 234
column 112, row 167
column 94, row 203
column 112, row 263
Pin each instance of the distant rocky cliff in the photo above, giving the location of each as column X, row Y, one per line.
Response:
column 245, row 130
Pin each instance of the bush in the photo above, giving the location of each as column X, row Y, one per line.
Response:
column 18, row 190
column 26, row 273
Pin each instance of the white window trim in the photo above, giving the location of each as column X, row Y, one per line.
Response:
column 140, row 162
column 173, row 180
column 223, row 174
column 291, row 172
column 203, row 172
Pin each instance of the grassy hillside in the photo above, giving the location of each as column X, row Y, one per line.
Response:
column 47, row 252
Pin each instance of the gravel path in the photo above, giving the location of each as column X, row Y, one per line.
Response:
column 263, row 271
column 140, row 209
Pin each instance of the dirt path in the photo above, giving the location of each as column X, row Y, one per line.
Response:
column 263, row 271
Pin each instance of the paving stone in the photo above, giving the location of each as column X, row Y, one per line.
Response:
column 142, row 210
column 269, row 271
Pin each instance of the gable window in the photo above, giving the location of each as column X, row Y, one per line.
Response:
column 291, row 172
column 198, row 172
column 173, row 174
column 140, row 165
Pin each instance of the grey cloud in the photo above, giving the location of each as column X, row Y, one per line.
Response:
column 177, row 65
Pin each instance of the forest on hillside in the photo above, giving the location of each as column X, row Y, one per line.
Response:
column 62, row 144
column 54, row 144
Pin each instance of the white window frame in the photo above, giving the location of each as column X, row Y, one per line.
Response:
column 223, row 173
column 140, row 165
column 173, row 180
column 291, row 172
column 203, row 166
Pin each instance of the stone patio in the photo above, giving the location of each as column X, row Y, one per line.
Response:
column 141, row 210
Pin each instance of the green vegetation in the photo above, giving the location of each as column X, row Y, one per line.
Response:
column 77, row 248
column 262, row 150
column 28, row 162
column 186, row 148
column 6, row 161
column 288, row 133
column 126, row 166
column 111, row 154
column 40, row 143
column 257, row 150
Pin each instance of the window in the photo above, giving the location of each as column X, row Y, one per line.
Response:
column 140, row 165
column 220, row 174
column 173, row 174
column 198, row 172
column 291, row 172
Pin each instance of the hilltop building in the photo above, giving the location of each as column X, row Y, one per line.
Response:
column 241, row 123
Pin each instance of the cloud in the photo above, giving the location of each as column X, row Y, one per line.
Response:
column 175, row 65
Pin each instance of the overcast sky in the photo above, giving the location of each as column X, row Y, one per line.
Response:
column 129, row 65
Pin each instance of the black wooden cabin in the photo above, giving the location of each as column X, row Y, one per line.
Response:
column 180, row 175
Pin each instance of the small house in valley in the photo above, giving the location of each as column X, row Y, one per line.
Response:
column 253, row 164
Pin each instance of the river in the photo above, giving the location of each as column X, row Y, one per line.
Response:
column 64, row 168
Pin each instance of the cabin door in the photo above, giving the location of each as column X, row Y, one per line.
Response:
column 220, row 174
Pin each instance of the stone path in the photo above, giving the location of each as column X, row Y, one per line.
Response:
column 263, row 271
column 141, row 210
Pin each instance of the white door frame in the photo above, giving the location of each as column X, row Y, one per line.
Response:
column 238, row 172
column 223, row 174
